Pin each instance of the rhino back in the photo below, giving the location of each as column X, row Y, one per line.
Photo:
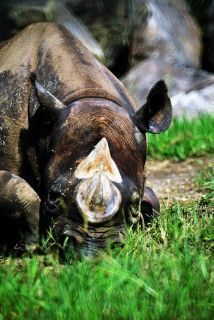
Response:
column 70, row 71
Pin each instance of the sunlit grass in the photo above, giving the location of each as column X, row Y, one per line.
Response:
column 185, row 138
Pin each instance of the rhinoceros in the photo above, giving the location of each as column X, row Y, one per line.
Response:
column 72, row 145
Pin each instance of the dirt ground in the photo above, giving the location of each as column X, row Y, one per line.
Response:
column 176, row 181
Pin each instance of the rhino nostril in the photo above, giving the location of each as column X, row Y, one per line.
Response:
column 52, row 203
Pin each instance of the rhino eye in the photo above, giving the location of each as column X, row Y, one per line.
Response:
column 55, row 203
column 57, row 189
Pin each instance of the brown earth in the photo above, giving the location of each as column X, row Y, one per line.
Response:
column 176, row 180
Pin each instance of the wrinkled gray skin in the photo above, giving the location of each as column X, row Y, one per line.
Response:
column 57, row 105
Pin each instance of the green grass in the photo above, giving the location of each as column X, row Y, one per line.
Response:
column 185, row 138
column 205, row 179
column 163, row 272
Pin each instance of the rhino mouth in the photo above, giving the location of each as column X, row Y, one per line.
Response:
column 88, row 239
column 73, row 232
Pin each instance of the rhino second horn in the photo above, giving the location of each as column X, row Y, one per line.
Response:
column 47, row 99
column 98, row 199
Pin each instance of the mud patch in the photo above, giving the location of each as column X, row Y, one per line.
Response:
column 176, row 180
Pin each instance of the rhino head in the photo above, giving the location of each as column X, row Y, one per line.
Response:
column 94, row 171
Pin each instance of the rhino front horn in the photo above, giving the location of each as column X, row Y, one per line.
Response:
column 98, row 199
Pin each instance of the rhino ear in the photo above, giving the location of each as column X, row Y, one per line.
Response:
column 156, row 114
column 47, row 100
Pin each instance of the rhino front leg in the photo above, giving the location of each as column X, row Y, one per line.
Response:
column 20, row 203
